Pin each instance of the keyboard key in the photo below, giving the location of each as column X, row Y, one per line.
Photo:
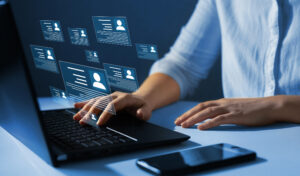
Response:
column 84, row 145
column 91, row 144
column 122, row 140
column 107, row 140
column 102, row 142
column 97, row 143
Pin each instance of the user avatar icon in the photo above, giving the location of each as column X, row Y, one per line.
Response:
column 152, row 49
column 97, row 82
column 49, row 55
column 129, row 75
column 120, row 26
column 56, row 28
column 95, row 54
column 94, row 117
column 63, row 95
column 83, row 33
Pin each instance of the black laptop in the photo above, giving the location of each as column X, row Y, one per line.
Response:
column 78, row 53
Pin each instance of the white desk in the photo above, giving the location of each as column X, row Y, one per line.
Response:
column 277, row 146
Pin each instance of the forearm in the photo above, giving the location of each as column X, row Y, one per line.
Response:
column 159, row 90
column 286, row 108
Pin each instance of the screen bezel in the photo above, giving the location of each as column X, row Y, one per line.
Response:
column 32, row 91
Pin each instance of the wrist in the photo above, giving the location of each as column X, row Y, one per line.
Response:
column 145, row 98
column 276, row 108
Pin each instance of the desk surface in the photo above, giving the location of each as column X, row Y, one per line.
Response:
column 277, row 147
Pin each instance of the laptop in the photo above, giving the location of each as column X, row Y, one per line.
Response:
column 62, row 62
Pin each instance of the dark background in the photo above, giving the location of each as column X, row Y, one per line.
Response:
column 150, row 22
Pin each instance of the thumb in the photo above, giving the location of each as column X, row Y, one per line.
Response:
column 143, row 113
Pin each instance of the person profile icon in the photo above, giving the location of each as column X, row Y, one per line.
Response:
column 49, row 55
column 94, row 117
column 120, row 26
column 63, row 95
column 129, row 76
column 152, row 49
column 56, row 28
column 97, row 82
column 83, row 33
column 95, row 54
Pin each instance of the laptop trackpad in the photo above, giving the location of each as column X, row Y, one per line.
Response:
column 141, row 130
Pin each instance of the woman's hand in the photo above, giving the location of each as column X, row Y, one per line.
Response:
column 246, row 111
column 131, row 103
column 140, row 103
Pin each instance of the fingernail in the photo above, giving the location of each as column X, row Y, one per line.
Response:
column 75, row 116
column 200, row 128
column 81, row 122
column 184, row 125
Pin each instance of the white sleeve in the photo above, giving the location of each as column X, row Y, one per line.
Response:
column 195, row 50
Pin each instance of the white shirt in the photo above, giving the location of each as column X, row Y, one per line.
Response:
column 258, row 41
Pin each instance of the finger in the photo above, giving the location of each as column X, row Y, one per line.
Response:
column 207, row 113
column 96, row 108
column 194, row 110
column 143, row 113
column 131, row 111
column 119, row 104
column 104, row 100
column 79, row 105
column 219, row 120
column 84, row 110
column 106, row 114
column 116, row 94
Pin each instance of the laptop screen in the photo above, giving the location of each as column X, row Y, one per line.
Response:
column 77, row 50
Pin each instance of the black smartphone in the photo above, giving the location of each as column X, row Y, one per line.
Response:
column 196, row 159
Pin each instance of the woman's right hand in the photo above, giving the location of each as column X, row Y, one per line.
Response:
column 130, row 102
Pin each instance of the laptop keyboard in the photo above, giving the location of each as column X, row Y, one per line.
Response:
column 69, row 134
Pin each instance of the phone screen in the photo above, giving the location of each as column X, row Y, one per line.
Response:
column 194, row 157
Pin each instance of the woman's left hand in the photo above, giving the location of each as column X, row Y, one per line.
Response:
column 240, row 111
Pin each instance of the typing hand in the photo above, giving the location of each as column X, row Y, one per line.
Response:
column 131, row 103
column 248, row 112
